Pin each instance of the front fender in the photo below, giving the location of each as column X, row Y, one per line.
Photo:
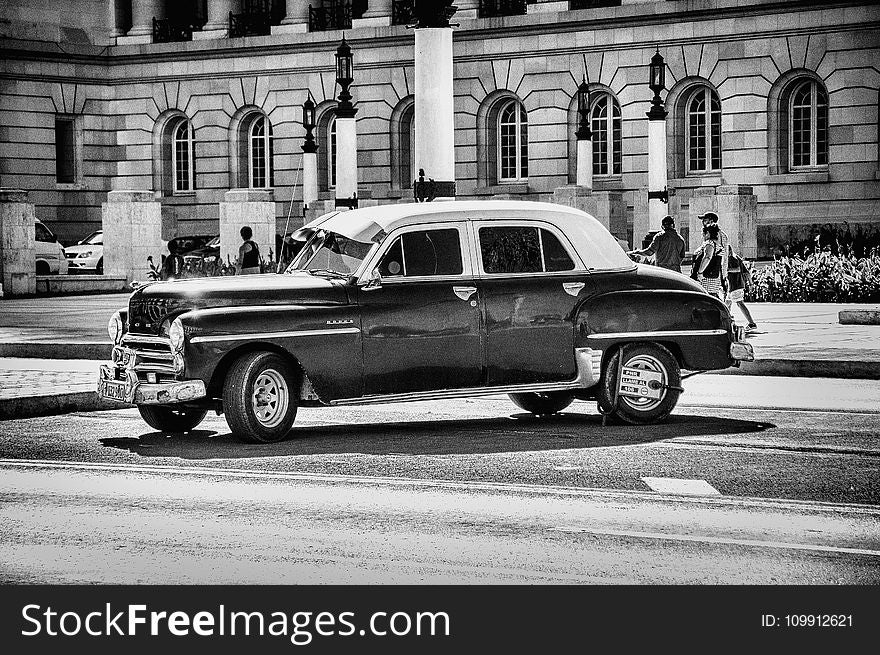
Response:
column 325, row 340
column 695, row 326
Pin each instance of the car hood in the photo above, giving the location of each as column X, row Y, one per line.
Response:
column 83, row 248
column 150, row 305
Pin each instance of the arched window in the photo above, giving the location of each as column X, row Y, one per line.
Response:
column 513, row 143
column 703, row 131
column 182, row 157
column 331, row 153
column 808, row 126
column 261, row 154
column 605, row 125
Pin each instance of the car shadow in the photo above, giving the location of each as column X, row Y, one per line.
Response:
column 513, row 433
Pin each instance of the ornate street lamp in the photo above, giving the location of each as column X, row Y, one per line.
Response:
column 308, row 121
column 583, row 109
column 344, row 78
column 657, row 82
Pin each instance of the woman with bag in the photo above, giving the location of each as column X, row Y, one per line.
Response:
column 739, row 280
column 707, row 263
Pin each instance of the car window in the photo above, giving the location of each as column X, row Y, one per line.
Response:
column 522, row 249
column 42, row 233
column 423, row 253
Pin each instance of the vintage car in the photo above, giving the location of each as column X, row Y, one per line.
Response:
column 422, row 301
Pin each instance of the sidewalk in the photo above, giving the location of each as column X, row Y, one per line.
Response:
column 50, row 349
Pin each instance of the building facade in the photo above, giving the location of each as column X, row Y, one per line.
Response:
column 191, row 99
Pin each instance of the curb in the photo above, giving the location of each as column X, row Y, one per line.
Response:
column 62, row 403
column 816, row 368
column 57, row 350
column 859, row 317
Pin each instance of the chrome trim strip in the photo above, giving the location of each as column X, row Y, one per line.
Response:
column 274, row 335
column 658, row 333
column 128, row 337
column 589, row 371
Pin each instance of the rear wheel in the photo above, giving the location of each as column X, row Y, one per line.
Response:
column 543, row 403
column 640, row 411
column 43, row 268
column 260, row 398
column 171, row 419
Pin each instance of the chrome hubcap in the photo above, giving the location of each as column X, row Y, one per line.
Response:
column 648, row 363
column 270, row 398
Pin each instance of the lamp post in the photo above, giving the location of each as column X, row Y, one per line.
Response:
column 310, row 154
column 346, row 131
column 658, row 196
column 434, row 113
column 584, row 137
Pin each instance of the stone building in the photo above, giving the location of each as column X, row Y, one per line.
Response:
column 192, row 98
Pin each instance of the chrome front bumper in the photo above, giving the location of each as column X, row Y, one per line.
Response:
column 133, row 391
column 742, row 352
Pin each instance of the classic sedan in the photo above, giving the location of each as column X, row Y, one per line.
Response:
column 422, row 301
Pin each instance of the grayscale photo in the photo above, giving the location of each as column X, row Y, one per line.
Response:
column 438, row 293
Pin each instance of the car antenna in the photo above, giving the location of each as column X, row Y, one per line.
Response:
column 289, row 212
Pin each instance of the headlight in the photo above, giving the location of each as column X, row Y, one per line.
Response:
column 84, row 255
column 115, row 328
column 175, row 333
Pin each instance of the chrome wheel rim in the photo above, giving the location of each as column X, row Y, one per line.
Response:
column 270, row 398
column 648, row 363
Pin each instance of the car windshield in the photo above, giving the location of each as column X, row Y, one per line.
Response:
column 94, row 239
column 330, row 253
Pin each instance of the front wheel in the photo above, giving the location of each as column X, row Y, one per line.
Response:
column 259, row 397
column 171, row 419
column 640, row 411
column 542, row 404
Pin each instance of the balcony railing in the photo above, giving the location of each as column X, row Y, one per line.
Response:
column 494, row 8
column 403, row 12
column 332, row 17
column 593, row 4
column 254, row 20
column 166, row 31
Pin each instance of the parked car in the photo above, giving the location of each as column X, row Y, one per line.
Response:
column 49, row 255
column 208, row 252
column 422, row 301
column 87, row 256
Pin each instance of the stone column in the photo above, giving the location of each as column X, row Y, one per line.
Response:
column 310, row 177
column 218, row 19
column 346, row 156
column 132, row 224
column 378, row 14
column 17, row 245
column 657, row 175
column 117, row 18
column 296, row 18
column 142, row 14
column 737, row 209
column 254, row 208
column 467, row 9
column 579, row 197
column 434, row 116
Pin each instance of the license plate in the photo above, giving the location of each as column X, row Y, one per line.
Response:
column 637, row 383
column 113, row 389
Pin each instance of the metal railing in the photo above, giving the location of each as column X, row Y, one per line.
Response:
column 336, row 16
column 166, row 31
column 494, row 8
column 403, row 12
column 254, row 20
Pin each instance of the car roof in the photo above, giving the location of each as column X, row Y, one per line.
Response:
column 593, row 241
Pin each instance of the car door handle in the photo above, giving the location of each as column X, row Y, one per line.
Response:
column 572, row 288
column 464, row 292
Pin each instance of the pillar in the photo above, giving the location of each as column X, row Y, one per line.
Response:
column 346, row 156
column 585, row 163
column 142, row 14
column 218, row 19
column 378, row 14
column 579, row 197
column 434, row 113
column 296, row 18
column 254, row 208
column 17, row 246
column 310, row 177
column 117, row 18
column 657, row 176
column 737, row 209
column 132, row 224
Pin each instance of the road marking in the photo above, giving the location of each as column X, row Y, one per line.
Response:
column 721, row 540
column 681, row 486
column 454, row 485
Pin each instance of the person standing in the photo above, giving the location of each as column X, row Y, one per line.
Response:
column 667, row 246
column 707, row 263
column 248, row 253
column 739, row 280
column 711, row 218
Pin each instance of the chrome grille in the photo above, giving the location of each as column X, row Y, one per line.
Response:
column 144, row 353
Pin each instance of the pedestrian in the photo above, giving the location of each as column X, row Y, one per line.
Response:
column 248, row 254
column 707, row 263
column 739, row 280
column 172, row 266
column 667, row 246
column 711, row 218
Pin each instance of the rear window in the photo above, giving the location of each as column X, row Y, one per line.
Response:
column 522, row 249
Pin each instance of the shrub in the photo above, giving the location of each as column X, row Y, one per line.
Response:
column 818, row 277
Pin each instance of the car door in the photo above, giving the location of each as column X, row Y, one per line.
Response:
column 529, row 280
column 421, row 326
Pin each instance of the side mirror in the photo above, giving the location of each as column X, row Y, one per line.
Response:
column 375, row 281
